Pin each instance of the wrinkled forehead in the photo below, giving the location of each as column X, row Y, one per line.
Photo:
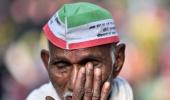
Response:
column 101, row 50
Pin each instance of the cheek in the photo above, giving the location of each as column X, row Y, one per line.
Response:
column 59, row 78
column 106, row 72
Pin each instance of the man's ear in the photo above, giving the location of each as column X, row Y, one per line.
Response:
column 45, row 57
column 119, row 59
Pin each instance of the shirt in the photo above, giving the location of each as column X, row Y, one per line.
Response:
column 121, row 90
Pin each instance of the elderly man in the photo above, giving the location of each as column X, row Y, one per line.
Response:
column 84, row 57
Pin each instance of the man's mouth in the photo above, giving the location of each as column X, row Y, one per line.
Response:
column 68, row 95
column 68, row 98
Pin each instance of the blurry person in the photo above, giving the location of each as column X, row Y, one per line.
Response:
column 84, row 56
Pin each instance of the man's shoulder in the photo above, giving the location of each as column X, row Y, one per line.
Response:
column 121, row 90
column 121, row 82
column 40, row 93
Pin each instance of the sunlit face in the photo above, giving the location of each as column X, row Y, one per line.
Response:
column 64, row 65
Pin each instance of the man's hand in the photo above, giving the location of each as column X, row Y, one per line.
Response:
column 89, row 85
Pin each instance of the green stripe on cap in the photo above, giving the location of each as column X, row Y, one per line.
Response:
column 82, row 13
column 81, row 25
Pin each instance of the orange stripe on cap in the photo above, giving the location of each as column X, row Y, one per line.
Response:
column 95, row 42
column 53, row 39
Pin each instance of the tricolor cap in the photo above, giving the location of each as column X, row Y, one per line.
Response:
column 81, row 25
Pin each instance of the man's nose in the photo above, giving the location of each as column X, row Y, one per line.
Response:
column 73, row 77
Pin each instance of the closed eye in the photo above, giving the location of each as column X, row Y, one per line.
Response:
column 61, row 64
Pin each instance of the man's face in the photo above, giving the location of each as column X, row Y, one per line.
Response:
column 65, row 68
column 63, row 65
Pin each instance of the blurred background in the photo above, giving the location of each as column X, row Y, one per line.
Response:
column 142, row 24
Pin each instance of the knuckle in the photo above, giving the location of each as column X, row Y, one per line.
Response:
column 96, row 97
column 103, row 98
column 97, row 79
column 104, row 92
column 98, row 76
column 88, row 92
column 78, row 93
column 89, row 72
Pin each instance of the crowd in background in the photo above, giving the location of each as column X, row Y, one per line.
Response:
column 142, row 24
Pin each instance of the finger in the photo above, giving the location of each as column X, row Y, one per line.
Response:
column 97, row 84
column 105, row 91
column 89, row 82
column 49, row 98
column 78, row 91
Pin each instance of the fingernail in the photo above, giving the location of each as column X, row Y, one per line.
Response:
column 89, row 65
column 97, row 71
column 107, row 84
column 83, row 70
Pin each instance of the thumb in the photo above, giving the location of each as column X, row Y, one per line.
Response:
column 49, row 98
